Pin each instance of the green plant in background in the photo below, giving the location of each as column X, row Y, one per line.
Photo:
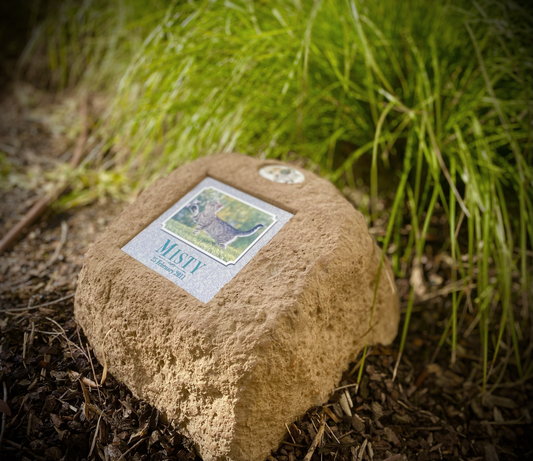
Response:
column 427, row 102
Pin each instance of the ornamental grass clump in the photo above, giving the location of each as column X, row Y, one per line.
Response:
column 427, row 103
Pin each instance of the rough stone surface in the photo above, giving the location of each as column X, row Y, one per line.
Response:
column 271, row 344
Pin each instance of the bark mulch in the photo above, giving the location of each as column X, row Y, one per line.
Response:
column 54, row 406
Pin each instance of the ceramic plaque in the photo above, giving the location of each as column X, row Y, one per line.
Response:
column 207, row 237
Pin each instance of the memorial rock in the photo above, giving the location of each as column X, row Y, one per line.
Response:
column 234, row 293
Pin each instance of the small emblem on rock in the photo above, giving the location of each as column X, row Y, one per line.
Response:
column 282, row 174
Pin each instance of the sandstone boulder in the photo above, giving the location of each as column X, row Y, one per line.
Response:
column 271, row 343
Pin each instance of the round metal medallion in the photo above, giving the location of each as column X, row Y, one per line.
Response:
column 282, row 174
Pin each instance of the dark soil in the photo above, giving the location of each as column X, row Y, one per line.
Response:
column 49, row 377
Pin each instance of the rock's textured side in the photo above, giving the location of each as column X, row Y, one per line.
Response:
column 271, row 344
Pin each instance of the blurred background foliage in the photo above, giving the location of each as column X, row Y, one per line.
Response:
column 425, row 106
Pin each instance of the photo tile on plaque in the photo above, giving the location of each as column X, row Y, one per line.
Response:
column 207, row 237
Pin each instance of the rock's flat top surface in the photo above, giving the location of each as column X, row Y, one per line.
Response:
column 174, row 246
column 271, row 343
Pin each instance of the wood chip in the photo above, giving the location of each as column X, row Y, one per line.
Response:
column 490, row 400
column 393, row 458
column 331, row 415
column 377, row 410
column 56, row 420
column 358, row 424
column 345, row 405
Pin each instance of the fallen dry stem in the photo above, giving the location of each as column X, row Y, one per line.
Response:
column 49, row 303
column 99, row 412
column 95, row 435
column 130, row 449
column 316, row 440
column 57, row 252
column 104, row 373
column 87, row 399
column 3, row 415
column 67, row 339
column 332, row 415
column 41, row 205
column 95, row 382
column 289, row 431
column 22, row 448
